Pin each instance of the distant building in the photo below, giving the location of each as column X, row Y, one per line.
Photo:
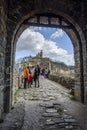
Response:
column 40, row 54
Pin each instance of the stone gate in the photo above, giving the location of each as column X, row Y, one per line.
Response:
column 16, row 16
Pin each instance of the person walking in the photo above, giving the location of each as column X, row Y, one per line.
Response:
column 26, row 75
column 36, row 75
column 32, row 74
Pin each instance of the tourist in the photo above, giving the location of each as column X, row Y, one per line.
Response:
column 48, row 73
column 26, row 76
column 36, row 75
column 43, row 72
column 32, row 74
column 29, row 79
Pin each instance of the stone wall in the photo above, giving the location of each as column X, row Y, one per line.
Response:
column 72, row 11
column 15, row 84
column 2, row 54
column 20, row 11
column 62, row 69
column 68, row 82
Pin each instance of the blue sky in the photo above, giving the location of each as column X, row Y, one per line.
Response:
column 63, row 41
column 54, row 42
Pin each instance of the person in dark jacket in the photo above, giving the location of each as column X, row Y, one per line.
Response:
column 36, row 75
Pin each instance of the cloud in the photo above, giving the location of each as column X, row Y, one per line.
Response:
column 58, row 33
column 33, row 42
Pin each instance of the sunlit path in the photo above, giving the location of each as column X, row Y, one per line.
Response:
column 46, row 108
column 43, row 108
column 48, row 90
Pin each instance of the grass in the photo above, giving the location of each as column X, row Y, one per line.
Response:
column 72, row 97
column 16, row 93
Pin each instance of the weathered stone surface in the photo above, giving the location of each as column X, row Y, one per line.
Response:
column 14, row 120
column 36, row 117
column 65, row 81
column 51, row 110
column 2, row 55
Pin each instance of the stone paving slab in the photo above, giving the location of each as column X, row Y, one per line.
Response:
column 53, row 115
column 46, row 108
column 14, row 120
column 54, row 119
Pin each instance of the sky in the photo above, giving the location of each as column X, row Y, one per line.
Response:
column 54, row 42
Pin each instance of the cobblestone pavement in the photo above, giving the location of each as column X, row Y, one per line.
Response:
column 46, row 108
column 14, row 119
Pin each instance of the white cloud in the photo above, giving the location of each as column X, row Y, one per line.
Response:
column 58, row 33
column 32, row 42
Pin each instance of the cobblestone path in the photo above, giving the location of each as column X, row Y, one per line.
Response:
column 42, row 111
column 47, row 91
column 46, row 108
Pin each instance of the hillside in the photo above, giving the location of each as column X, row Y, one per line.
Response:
column 56, row 68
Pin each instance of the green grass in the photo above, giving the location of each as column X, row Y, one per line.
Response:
column 15, row 95
column 72, row 97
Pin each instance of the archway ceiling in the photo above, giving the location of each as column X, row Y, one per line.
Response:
column 48, row 20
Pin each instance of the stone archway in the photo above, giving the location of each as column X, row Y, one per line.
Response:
column 73, row 34
column 76, row 34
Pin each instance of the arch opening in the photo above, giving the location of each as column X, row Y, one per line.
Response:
column 74, row 36
column 35, row 39
column 72, row 31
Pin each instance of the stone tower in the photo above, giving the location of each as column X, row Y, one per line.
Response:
column 41, row 53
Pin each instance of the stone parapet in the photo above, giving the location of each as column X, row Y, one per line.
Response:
column 68, row 82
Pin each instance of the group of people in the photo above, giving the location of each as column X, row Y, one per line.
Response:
column 45, row 72
column 31, row 75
